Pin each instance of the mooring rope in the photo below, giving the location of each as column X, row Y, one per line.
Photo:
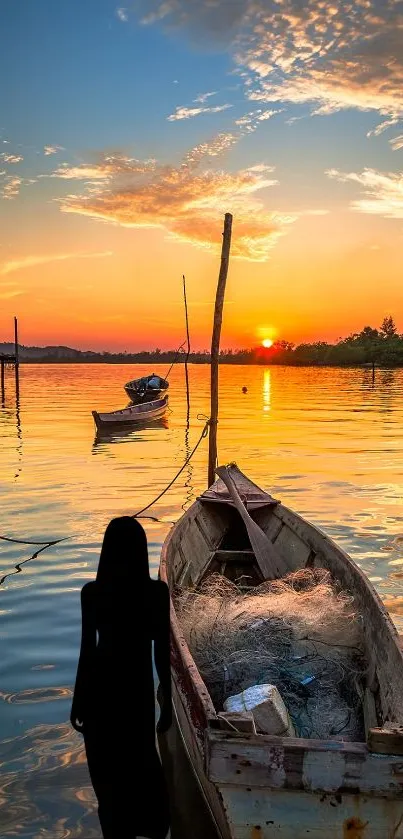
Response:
column 178, row 352
column 188, row 459
column 42, row 546
column 29, row 542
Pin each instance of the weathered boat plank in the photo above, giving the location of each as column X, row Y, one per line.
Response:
column 215, row 524
column 309, row 765
column 198, row 552
column 194, row 746
column 292, row 548
column 253, row 814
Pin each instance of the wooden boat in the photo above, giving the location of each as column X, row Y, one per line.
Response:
column 259, row 786
column 115, row 433
column 147, row 388
column 143, row 412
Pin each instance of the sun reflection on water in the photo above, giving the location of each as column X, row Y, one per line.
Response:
column 266, row 390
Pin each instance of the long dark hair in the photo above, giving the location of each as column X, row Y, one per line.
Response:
column 124, row 553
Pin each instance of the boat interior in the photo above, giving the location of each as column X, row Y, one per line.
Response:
column 212, row 538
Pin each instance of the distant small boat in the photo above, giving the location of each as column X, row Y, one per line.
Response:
column 147, row 388
column 144, row 411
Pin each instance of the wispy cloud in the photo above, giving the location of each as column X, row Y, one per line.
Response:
column 12, row 184
column 48, row 150
column 103, row 168
column 19, row 263
column 11, row 158
column 397, row 142
column 187, row 201
column 213, row 148
column 186, row 113
column 268, row 114
column 9, row 295
column 202, row 97
column 383, row 192
column 122, row 14
column 327, row 53
column 315, row 212
column 249, row 122
column 382, row 126
column 11, row 187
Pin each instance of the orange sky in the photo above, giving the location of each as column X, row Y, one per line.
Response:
column 130, row 296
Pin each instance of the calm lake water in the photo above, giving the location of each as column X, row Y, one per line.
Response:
column 327, row 442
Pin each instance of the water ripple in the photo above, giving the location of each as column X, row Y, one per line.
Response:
column 325, row 441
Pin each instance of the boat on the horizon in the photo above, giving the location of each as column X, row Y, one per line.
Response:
column 259, row 786
column 146, row 388
column 143, row 412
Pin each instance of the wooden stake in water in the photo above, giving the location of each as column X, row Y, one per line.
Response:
column 16, row 341
column 187, row 351
column 215, row 345
column 17, row 362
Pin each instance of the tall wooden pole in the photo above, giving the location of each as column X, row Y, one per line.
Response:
column 187, row 351
column 16, row 340
column 17, row 363
column 215, row 345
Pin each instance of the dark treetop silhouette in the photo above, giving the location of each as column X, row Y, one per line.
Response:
column 123, row 610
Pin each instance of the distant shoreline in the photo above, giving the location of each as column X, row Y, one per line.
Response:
column 369, row 348
column 256, row 363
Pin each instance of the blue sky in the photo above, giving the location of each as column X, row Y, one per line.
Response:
column 74, row 73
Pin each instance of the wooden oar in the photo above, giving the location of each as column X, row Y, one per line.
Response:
column 270, row 563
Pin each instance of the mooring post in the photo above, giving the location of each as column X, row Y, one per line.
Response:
column 17, row 362
column 215, row 345
column 16, row 340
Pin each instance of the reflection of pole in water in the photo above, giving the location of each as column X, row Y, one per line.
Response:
column 18, row 425
column 17, row 399
column 188, row 346
column 10, row 412
column 267, row 390
column 189, row 471
column 3, row 389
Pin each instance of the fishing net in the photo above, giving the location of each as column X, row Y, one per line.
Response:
column 299, row 633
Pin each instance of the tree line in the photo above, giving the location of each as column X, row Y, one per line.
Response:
column 382, row 347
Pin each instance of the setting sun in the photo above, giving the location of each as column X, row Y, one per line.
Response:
column 267, row 343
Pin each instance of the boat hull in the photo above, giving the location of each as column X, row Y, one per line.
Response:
column 144, row 412
column 268, row 814
column 185, row 792
column 146, row 389
column 305, row 788
column 264, row 787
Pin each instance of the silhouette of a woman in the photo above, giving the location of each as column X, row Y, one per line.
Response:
column 123, row 611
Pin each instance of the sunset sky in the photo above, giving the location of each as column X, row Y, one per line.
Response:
column 127, row 132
